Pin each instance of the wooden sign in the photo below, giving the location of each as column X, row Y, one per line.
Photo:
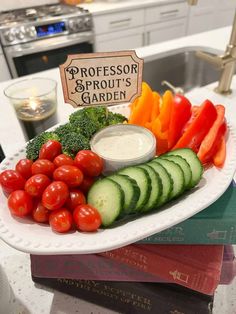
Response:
column 101, row 78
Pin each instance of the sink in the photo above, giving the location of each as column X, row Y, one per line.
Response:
column 181, row 67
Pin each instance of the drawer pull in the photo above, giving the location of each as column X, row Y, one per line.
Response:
column 170, row 12
column 122, row 22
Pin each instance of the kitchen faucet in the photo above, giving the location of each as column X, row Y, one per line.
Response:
column 226, row 62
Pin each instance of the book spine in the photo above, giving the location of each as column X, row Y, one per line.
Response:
column 87, row 267
column 194, row 231
column 169, row 269
column 93, row 267
column 133, row 298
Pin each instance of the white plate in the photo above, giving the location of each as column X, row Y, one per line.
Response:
column 27, row 236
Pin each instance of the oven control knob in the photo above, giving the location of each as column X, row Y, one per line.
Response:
column 88, row 22
column 9, row 36
column 20, row 34
column 72, row 25
column 80, row 24
column 31, row 32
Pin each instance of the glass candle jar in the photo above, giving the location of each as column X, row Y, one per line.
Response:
column 35, row 104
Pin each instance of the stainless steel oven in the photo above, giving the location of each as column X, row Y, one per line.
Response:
column 37, row 39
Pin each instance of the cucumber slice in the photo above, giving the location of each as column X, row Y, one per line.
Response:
column 144, row 183
column 193, row 161
column 184, row 166
column 131, row 191
column 156, row 188
column 176, row 174
column 108, row 198
column 166, row 180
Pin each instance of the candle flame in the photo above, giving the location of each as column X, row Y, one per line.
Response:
column 33, row 103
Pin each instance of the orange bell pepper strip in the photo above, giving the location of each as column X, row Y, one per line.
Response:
column 156, row 106
column 181, row 113
column 210, row 141
column 220, row 156
column 141, row 112
column 161, row 137
column 166, row 109
column 200, row 126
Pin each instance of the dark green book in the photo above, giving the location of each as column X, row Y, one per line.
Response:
column 214, row 225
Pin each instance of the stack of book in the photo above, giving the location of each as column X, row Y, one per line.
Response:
column 175, row 271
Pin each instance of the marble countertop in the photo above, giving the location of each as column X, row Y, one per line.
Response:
column 29, row 298
column 111, row 6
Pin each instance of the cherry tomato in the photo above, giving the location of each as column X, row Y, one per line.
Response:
column 24, row 167
column 71, row 175
column 35, row 185
column 62, row 160
column 87, row 218
column 55, row 195
column 11, row 180
column 75, row 198
column 43, row 166
column 39, row 212
column 90, row 163
column 50, row 150
column 20, row 203
column 61, row 220
column 86, row 184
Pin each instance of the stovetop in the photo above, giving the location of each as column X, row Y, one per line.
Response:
column 39, row 13
column 36, row 23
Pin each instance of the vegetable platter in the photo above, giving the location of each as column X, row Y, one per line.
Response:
column 28, row 236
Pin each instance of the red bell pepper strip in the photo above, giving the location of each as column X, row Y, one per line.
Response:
column 220, row 156
column 200, row 126
column 181, row 113
column 209, row 144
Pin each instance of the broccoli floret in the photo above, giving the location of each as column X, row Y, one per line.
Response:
column 88, row 121
column 64, row 129
column 33, row 147
column 74, row 142
column 115, row 118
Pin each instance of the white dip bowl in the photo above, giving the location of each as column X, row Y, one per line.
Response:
column 123, row 145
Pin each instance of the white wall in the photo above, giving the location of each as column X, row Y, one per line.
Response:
column 16, row 4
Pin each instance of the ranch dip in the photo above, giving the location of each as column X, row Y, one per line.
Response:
column 123, row 144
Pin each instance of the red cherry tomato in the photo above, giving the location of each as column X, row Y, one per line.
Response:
column 62, row 160
column 35, row 185
column 24, row 167
column 90, row 163
column 39, row 212
column 87, row 218
column 20, row 203
column 55, row 195
column 61, row 220
column 43, row 166
column 75, row 198
column 11, row 180
column 71, row 175
column 50, row 150
column 86, row 184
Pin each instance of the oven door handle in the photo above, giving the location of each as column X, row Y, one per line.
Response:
column 48, row 44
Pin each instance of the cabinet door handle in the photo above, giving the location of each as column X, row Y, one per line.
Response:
column 169, row 13
column 148, row 38
column 120, row 23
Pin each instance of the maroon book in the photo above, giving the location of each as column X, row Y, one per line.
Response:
column 196, row 267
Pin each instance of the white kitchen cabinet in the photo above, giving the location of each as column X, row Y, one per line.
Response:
column 159, row 32
column 122, row 40
column 165, row 22
column 224, row 13
column 201, row 16
column 4, row 72
column 114, row 22
column 131, row 29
